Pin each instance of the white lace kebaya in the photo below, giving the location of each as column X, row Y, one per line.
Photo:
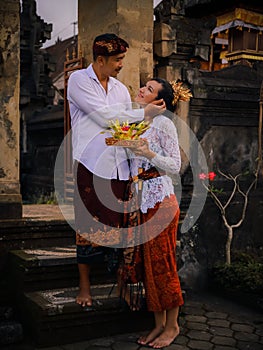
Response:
column 163, row 140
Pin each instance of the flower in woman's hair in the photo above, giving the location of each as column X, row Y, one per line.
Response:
column 180, row 92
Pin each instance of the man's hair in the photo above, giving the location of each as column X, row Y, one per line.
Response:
column 108, row 44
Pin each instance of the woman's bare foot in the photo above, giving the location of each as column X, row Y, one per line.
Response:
column 84, row 298
column 146, row 339
column 165, row 338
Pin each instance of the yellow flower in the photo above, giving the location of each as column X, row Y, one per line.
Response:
column 126, row 131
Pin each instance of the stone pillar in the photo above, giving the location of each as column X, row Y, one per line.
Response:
column 184, row 135
column 133, row 21
column 10, row 197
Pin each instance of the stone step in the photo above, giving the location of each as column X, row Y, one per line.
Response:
column 52, row 317
column 11, row 331
column 33, row 233
column 29, row 233
column 50, row 267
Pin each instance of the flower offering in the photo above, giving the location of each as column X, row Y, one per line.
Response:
column 125, row 134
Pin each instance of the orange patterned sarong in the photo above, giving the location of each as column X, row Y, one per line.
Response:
column 161, row 281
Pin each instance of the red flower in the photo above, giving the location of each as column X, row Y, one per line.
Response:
column 211, row 175
column 125, row 128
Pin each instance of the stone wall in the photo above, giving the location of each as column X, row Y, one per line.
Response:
column 45, row 132
column 10, row 198
column 133, row 21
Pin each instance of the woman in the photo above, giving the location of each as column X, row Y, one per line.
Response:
column 159, row 214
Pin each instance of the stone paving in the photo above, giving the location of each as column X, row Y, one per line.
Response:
column 207, row 323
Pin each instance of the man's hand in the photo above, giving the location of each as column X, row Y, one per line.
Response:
column 154, row 108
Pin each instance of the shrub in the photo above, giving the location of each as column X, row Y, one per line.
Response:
column 245, row 274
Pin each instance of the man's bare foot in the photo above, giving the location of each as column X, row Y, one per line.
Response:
column 145, row 339
column 166, row 338
column 84, row 298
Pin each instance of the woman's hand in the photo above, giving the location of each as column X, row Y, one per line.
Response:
column 144, row 150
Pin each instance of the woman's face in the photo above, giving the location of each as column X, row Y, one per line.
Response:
column 148, row 93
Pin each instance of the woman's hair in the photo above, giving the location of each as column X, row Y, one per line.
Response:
column 166, row 93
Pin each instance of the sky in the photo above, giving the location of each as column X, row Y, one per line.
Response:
column 62, row 14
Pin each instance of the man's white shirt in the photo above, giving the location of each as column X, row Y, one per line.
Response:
column 91, row 110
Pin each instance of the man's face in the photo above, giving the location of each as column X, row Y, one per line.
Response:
column 113, row 64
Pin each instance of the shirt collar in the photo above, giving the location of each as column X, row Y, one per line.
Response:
column 93, row 76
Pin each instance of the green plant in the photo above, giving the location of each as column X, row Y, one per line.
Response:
column 48, row 199
column 245, row 274
column 43, row 198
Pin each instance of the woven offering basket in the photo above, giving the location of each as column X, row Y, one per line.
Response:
column 111, row 141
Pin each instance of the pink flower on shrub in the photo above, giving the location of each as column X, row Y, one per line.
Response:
column 202, row 176
column 211, row 175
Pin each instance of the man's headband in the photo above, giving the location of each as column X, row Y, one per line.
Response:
column 109, row 45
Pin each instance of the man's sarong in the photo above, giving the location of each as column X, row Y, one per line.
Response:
column 96, row 224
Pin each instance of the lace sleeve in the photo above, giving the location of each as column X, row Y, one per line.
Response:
column 170, row 158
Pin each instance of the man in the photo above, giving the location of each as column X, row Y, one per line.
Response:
column 95, row 97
